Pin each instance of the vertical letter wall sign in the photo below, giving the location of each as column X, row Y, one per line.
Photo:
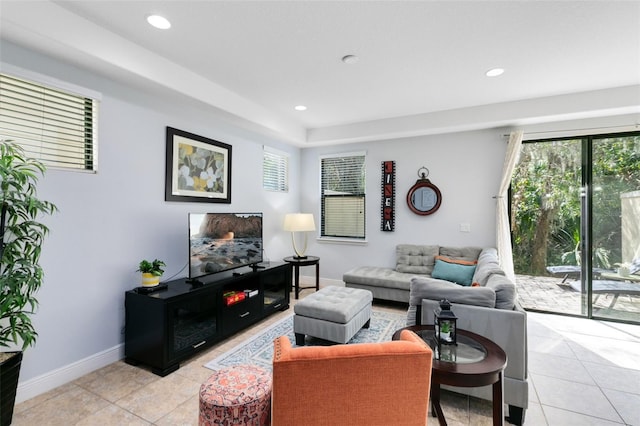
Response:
column 388, row 196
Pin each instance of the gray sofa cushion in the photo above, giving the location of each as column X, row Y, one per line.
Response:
column 431, row 288
column 379, row 277
column 487, row 266
column 464, row 253
column 505, row 291
column 415, row 259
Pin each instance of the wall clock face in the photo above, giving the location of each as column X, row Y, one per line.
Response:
column 424, row 198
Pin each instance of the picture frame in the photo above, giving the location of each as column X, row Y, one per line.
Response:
column 198, row 169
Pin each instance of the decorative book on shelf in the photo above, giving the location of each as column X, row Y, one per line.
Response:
column 251, row 293
column 233, row 297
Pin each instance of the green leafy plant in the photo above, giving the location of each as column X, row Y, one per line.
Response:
column 154, row 268
column 21, row 238
column 445, row 327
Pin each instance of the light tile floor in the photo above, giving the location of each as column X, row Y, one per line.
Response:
column 582, row 372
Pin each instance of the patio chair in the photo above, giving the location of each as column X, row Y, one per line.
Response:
column 614, row 287
column 572, row 271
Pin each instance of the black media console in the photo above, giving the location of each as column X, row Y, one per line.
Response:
column 165, row 327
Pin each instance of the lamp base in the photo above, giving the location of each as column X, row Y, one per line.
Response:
column 300, row 257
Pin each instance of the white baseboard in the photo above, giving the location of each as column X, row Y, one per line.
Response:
column 311, row 280
column 51, row 380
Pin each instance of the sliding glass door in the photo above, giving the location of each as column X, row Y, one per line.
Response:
column 575, row 220
column 615, row 227
column 546, row 198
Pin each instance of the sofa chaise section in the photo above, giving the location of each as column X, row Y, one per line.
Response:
column 383, row 283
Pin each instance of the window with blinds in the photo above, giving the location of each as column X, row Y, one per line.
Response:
column 52, row 125
column 275, row 170
column 343, row 196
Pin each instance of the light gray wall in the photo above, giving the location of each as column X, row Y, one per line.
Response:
column 466, row 167
column 110, row 220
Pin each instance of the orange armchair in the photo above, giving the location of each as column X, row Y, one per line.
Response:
column 369, row 384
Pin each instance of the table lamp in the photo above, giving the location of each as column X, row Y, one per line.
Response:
column 299, row 222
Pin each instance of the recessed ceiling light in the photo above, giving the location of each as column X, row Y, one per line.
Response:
column 159, row 22
column 300, row 108
column 350, row 59
column 494, row 72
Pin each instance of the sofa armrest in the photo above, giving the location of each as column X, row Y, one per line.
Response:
column 434, row 289
column 505, row 291
column 507, row 328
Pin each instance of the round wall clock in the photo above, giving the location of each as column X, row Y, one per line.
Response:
column 424, row 198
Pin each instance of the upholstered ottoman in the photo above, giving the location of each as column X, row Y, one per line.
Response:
column 239, row 395
column 332, row 313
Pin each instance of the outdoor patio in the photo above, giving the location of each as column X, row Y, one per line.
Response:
column 550, row 294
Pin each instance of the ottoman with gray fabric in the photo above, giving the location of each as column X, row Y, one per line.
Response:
column 332, row 313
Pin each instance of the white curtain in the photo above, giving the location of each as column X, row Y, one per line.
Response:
column 503, row 229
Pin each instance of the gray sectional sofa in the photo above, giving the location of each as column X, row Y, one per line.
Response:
column 484, row 302
column 419, row 261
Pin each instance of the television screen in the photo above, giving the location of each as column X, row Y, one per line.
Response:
column 222, row 241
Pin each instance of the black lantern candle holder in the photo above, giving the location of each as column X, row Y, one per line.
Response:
column 445, row 324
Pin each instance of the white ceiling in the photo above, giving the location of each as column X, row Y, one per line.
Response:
column 421, row 65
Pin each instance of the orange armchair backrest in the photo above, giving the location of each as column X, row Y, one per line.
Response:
column 359, row 384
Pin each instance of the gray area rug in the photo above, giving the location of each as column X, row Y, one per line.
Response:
column 258, row 350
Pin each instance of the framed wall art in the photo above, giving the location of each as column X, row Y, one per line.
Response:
column 198, row 168
column 388, row 214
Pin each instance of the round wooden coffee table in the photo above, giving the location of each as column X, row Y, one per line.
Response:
column 474, row 361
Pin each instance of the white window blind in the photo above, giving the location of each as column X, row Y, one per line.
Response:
column 55, row 126
column 275, row 170
column 343, row 196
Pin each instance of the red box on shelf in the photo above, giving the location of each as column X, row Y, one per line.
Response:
column 233, row 297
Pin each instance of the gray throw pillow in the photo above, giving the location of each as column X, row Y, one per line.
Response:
column 487, row 266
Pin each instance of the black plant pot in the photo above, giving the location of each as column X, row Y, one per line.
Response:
column 9, row 372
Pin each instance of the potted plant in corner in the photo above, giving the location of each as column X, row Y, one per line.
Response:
column 21, row 238
column 151, row 272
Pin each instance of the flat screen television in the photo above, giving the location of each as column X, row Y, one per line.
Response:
column 223, row 241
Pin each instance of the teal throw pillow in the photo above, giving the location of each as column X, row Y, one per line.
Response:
column 454, row 272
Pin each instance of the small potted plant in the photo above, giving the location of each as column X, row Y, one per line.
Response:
column 445, row 331
column 151, row 272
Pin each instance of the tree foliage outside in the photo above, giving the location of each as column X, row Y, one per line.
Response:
column 546, row 200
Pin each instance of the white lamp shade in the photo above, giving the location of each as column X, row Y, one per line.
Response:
column 299, row 222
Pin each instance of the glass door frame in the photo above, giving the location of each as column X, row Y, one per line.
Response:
column 587, row 250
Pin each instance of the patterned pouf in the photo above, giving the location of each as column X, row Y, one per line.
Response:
column 239, row 395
